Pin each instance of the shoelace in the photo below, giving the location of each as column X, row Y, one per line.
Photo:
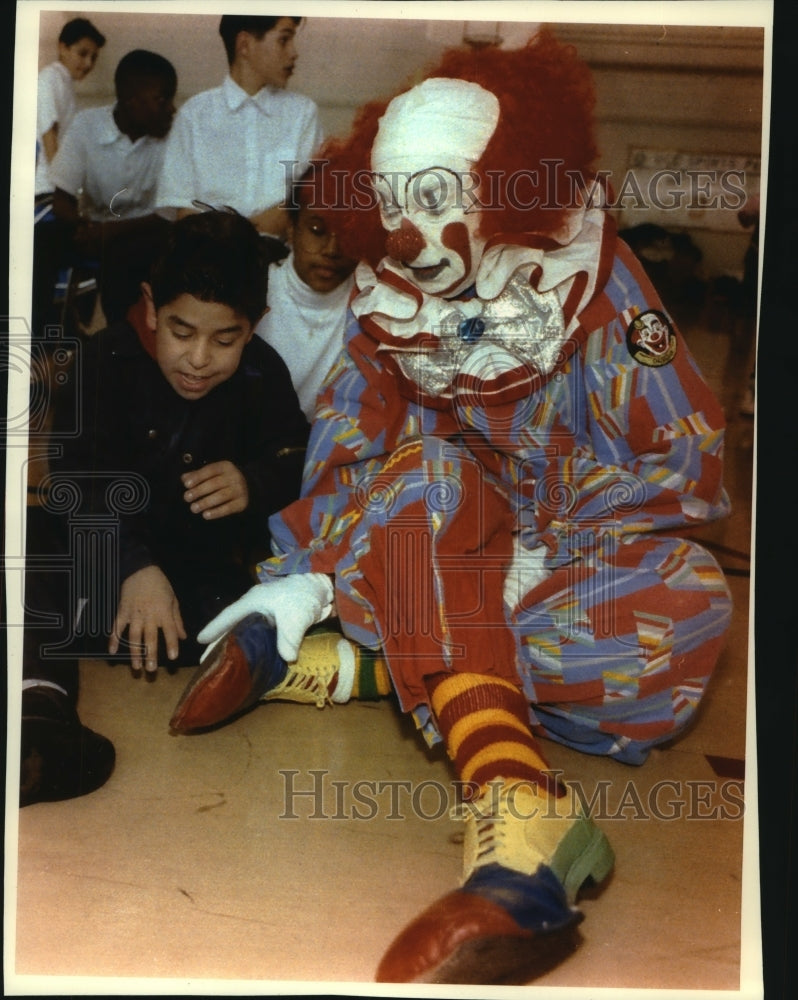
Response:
column 309, row 688
column 490, row 826
column 488, row 837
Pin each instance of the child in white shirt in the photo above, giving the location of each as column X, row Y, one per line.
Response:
column 79, row 45
column 308, row 297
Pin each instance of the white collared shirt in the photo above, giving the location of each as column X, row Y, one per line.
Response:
column 225, row 148
column 118, row 177
column 55, row 105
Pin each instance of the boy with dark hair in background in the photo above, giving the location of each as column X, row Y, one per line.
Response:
column 79, row 44
column 113, row 156
column 309, row 294
column 229, row 144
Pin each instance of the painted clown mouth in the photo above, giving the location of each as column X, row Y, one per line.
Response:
column 429, row 273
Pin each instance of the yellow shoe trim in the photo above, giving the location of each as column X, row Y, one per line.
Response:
column 308, row 679
column 511, row 825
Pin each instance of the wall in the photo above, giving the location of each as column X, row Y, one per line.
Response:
column 674, row 89
column 679, row 90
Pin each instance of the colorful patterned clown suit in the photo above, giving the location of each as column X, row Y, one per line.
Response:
column 516, row 518
column 500, row 464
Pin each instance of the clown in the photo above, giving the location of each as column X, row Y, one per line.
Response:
column 497, row 463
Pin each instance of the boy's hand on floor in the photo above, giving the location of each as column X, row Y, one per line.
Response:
column 216, row 490
column 147, row 603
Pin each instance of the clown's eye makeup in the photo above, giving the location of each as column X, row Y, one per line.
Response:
column 389, row 205
column 435, row 191
column 431, row 191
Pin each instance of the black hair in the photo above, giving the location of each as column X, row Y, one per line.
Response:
column 216, row 256
column 79, row 28
column 141, row 65
column 306, row 189
column 231, row 24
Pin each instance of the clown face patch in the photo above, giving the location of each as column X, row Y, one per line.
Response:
column 651, row 340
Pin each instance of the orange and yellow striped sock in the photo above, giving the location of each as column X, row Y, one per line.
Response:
column 484, row 722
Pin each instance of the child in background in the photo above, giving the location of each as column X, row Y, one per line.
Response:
column 114, row 155
column 229, row 144
column 308, row 297
column 79, row 45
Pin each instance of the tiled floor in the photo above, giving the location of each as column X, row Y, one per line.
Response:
column 196, row 863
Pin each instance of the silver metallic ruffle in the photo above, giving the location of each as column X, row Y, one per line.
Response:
column 523, row 328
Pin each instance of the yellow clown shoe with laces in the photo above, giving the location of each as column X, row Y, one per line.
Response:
column 526, row 858
column 243, row 668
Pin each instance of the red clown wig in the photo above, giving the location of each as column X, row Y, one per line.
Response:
column 537, row 160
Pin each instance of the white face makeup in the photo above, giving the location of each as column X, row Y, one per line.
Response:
column 431, row 221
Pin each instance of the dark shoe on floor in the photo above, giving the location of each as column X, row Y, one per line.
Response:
column 59, row 757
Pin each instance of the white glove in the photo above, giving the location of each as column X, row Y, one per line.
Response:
column 526, row 571
column 291, row 604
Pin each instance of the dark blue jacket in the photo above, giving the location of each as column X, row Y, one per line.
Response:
column 136, row 437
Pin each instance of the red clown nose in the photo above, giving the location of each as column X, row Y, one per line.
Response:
column 405, row 243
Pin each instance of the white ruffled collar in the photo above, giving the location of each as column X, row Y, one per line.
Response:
column 519, row 294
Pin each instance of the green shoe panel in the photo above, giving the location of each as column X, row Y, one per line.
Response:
column 584, row 852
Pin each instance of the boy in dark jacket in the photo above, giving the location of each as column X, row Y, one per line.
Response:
column 182, row 436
